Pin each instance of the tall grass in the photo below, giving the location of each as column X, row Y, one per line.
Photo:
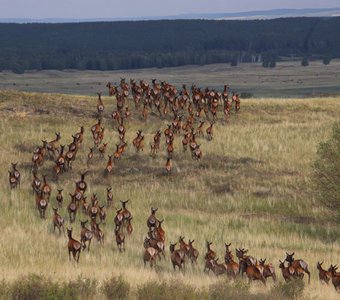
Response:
column 251, row 188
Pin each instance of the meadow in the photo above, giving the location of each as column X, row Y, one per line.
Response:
column 252, row 188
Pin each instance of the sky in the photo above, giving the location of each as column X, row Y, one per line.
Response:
column 80, row 9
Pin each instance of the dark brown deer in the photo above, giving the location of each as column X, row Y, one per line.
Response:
column 138, row 141
column 298, row 265
column 335, row 277
column 217, row 268
column 324, row 276
column 232, row 267
column 58, row 221
column 73, row 246
column 156, row 244
column 177, row 257
column 86, row 235
column 102, row 214
column 60, row 198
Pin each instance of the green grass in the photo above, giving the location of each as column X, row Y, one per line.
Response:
column 251, row 189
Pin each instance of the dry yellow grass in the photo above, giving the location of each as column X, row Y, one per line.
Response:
column 250, row 189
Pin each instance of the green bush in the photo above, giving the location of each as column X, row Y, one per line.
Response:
column 116, row 288
column 326, row 173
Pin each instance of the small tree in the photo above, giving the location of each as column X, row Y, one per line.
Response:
column 305, row 62
column 326, row 175
column 326, row 60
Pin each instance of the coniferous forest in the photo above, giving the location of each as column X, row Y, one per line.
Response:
column 142, row 44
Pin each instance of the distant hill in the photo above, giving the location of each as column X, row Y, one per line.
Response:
column 165, row 43
column 248, row 15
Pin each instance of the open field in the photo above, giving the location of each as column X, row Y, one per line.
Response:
column 251, row 187
column 288, row 79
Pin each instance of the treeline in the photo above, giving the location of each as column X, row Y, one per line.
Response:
column 141, row 44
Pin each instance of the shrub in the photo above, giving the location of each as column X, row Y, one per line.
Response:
column 116, row 288
column 289, row 290
column 326, row 60
column 81, row 288
column 305, row 62
column 326, row 173
column 171, row 290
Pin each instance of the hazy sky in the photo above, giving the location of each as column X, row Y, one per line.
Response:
column 140, row 8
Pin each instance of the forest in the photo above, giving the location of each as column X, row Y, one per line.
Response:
column 165, row 43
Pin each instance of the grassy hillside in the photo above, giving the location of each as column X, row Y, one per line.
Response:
column 251, row 189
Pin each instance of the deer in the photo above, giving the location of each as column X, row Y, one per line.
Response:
column 100, row 105
column 86, row 235
column 192, row 252
column 41, row 203
column 138, row 141
column 72, row 208
column 244, row 259
column 218, row 269
column 168, row 166
column 150, row 255
column 287, row 273
column 199, row 130
column 156, row 244
column 177, row 257
column 324, row 276
column 36, row 182
column 335, row 277
column 268, row 270
column 102, row 214
column 13, row 182
column 232, row 267
column 152, row 222
column 73, row 246
column 299, row 265
column 98, row 233
column 53, row 146
column 120, row 239
column 58, row 221
column 38, row 157
column 183, row 245
column 81, row 184
column 210, row 254
column 46, row 189
column 109, row 166
column 109, row 197
column 60, row 198
column 209, row 131
column 102, row 149
column 90, row 155
column 125, row 212
column 16, row 173
column 80, row 135
column 253, row 273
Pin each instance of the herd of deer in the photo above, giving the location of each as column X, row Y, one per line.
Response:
column 187, row 109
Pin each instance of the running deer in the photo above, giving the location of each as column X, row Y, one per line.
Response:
column 86, row 235
column 41, row 203
column 120, row 239
column 152, row 222
column 73, row 246
column 36, row 182
column 15, row 174
column 53, row 146
column 150, row 255
column 100, row 104
column 209, row 131
column 58, row 221
column 298, row 265
column 287, row 273
column 46, row 189
column 81, row 184
column 109, row 197
column 177, row 257
column 72, row 208
column 109, row 166
column 253, row 273
column 335, row 277
column 60, row 198
column 324, row 276
column 192, row 252
column 129, row 227
column 168, row 166
column 102, row 149
column 210, row 254
column 268, row 270
column 90, row 155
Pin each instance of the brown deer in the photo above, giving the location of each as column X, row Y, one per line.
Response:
column 287, row 273
column 150, row 255
column 324, row 276
column 335, row 277
column 86, row 235
column 218, row 269
column 60, row 198
column 192, row 252
column 168, row 166
column 268, row 270
column 100, row 104
column 298, row 265
column 41, row 203
column 98, row 233
column 109, row 166
column 152, row 222
column 36, row 182
column 73, row 246
column 102, row 149
column 109, row 197
column 53, row 146
column 209, row 131
column 72, row 208
column 58, row 221
column 177, row 257
column 210, row 254
column 90, row 155
column 46, row 189
column 16, row 174
column 120, row 239
column 253, row 273
column 102, row 214
column 156, row 244
column 232, row 267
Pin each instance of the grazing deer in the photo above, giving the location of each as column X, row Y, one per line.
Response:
column 73, row 246
column 58, row 221
column 177, row 257
column 298, row 265
column 60, row 197
column 324, row 276
column 109, row 197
